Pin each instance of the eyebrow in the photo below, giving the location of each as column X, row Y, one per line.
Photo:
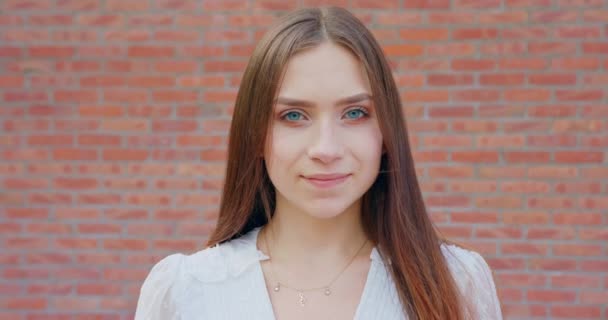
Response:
column 303, row 103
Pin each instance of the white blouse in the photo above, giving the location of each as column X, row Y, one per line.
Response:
column 226, row 282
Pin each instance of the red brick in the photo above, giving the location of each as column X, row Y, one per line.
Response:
column 475, row 156
column 49, row 289
column 74, row 154
column 477, row 95
column 503, row 17
column 6, row 51
column 427, row 4
column 528, row 217
column 100, row 20
column 75, row 183
column 76, row 125
column 27, row 5
column 78, row 303
column 98, row 289
column 49, row 228
column 27, row 213
column 25, row 303
column 593, row 15
column 77, row 66
column 25, row 96
column 23, row 243
column 151, row 52
column 499, row 141
column 474, row 217
column 99, row 229
column 99, row 140
column 503, row 48
column 103, row 198
column 458, row 49
column 579, row 157
column 578, row 187
column 524, row 248
column 176, row 66
column 150, row 19
column 125, row 154
column 23, row 183
column 576, row 312
column 595, row 47
column 551, row 296
column 575, row 63
column 125, row 125
column 502, row 172
column 506, row 263
column 408, row 50
column 524, row 95
column 125, row 244
column 553, row 111
column 474, row 34
column 126, row 5
column 79, row 96
column 75, row 213
column 575, row 281
column 550, row 202
column 594, row 265
column 498, row 232
column 552, row 264
column 27, row 36
column 511, row 64
column 501, row 79
column 557, row 233
column 551, row 48
column 576, row 250
column 594, row 297
column 576, row 126
column 157, row 229
column 188, row 5
column 552, row 172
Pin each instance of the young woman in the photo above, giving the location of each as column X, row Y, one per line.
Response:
column 321, row 215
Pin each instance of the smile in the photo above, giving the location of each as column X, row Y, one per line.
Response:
column 326, row 181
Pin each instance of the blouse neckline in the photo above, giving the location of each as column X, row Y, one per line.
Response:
column 251, row 238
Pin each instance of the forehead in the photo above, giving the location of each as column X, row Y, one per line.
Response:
column 323, row 74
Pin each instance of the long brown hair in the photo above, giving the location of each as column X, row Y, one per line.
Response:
column 393, row 213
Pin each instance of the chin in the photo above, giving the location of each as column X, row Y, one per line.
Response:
column 325, row 210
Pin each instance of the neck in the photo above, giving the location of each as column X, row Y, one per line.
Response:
column 298, row 237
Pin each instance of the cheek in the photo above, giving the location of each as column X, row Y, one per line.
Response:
column 281, row 149
column 367, row 143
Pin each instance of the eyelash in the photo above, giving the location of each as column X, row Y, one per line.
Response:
column 363, row 110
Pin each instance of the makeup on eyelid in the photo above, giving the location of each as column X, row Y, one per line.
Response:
column 363, row 111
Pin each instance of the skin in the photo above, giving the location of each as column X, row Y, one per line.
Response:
column 316, row 230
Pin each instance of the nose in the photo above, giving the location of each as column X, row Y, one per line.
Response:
column 326, row 143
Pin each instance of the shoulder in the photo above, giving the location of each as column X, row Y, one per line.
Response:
column 206, row 265
column 468, row 267
column 474, row 279
column 212, row 264
column 170, row 279
column 462, row 260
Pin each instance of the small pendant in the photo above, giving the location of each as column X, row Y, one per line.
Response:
column 327, row 291
column 302, row 299
column 277, row 287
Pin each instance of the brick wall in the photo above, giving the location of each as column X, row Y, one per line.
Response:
column 114, row 115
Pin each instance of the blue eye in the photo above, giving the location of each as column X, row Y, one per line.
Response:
column 356, row 113
column 292, row 116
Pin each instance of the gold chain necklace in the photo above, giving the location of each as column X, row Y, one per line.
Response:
column 300, row 292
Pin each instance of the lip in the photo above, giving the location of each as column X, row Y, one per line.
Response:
column 326, row 180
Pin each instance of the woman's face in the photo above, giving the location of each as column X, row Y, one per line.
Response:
column 325, row 145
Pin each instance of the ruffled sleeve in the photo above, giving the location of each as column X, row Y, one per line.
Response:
column 156, row 297
column 474, row 279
